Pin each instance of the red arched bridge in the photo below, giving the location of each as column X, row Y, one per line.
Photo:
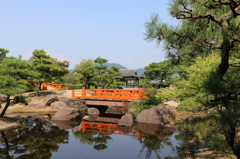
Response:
column 108, row 97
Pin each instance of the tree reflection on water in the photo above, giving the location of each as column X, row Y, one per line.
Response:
column 40, row 140
column 35, row 141
column 97, row 139
column 156, row 138
column 152, row 138
column 153, row 145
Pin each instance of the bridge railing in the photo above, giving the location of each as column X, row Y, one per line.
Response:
column 56, row 85
column 125, row 94
column 45, row 85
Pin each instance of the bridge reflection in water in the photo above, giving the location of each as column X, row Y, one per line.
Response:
column 107, row 128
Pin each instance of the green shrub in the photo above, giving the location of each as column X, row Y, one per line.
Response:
column 190, row 104
column 21, row 99
column 74, row 86
column 150, row 98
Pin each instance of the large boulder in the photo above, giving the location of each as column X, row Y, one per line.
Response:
column 63, row 99
column 71, row 103
column 79, row 104
column 37, row 105
column 93, row 111
column 114, row 110
column 126, row 120
column 50, row 99
column 67, row 114
column 58, row 105
column 92, row 114
column 74, row 102
column 160, row 115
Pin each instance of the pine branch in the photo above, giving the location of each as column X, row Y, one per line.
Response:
column 211, row 6
column 188, row 13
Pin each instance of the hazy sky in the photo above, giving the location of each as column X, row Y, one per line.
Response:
column 75, row 29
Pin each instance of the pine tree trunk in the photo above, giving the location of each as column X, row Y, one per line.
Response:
column 40, row 85
column 6, row 106
column 230, row 138
column 224, row 65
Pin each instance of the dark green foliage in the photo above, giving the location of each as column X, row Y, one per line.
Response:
column 97, row 74
column 103, row 74
column 85, row 70
column 12, row 72
column 160, row 72
column 71, row 78
column 21, row 99
column 13, row 76
column 106, row 77
column 3, row 53
column 49, row 69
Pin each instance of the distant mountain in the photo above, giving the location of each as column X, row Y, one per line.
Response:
column 140, row 71
column 109, row 66
column 115, row 64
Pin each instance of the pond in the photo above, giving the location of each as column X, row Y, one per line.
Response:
column 89, row 140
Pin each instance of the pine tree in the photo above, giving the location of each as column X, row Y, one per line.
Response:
column 12, row 75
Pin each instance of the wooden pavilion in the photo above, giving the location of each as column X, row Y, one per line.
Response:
column 129, row 76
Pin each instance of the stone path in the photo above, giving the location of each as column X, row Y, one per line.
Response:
column 67, row 94
column 51, row 88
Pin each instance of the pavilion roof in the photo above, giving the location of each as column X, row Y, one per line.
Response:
column 128, row 72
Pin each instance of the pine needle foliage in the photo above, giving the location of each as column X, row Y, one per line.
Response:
column 13, row 71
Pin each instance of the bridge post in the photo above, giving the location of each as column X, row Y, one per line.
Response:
column 73, row 93
column 98, row 92
column 83, row 92
column 140, row 92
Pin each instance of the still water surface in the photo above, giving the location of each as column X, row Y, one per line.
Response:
column 64, row 140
